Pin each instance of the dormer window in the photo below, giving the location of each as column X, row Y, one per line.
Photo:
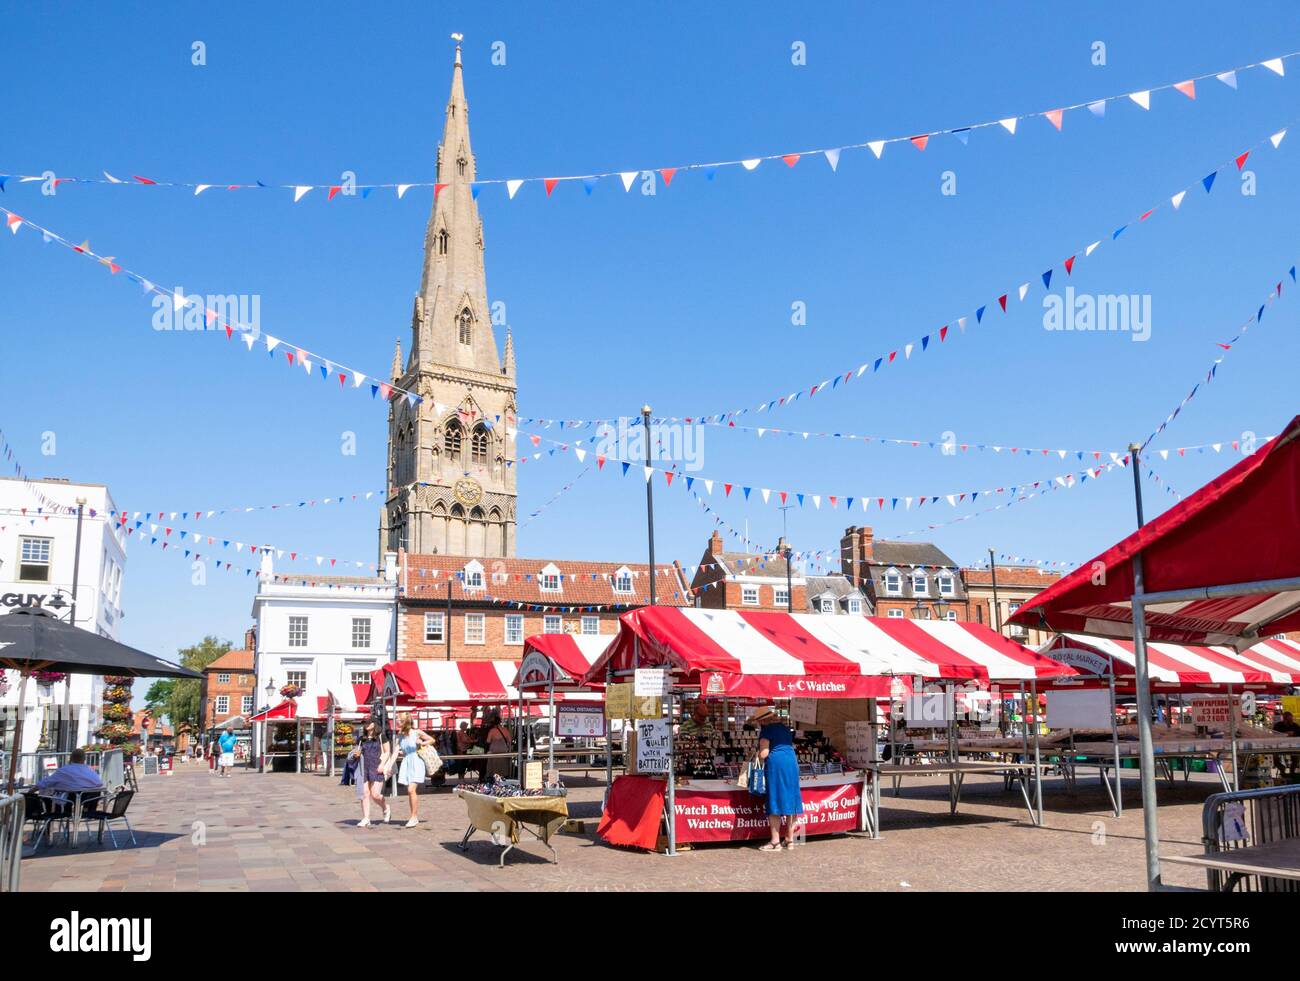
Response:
column 473, row 576
column 460, row 166
column 623, row 580
column 549, row 579
column 920, row 584
column 855, row 606
column 443, row 239
column 828, row 606
column 946, row 585
column 893, row 583
column 465, row 327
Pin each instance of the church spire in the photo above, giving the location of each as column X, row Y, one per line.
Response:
column 454, row 327
column 397, row 360
column 508, row 362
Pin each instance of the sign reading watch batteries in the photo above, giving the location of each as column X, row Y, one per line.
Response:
column 650, row 682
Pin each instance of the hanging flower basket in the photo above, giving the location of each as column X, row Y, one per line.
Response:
column 117, row 713
column 118, row 679
column 292, row 691
column 48, row 677
column 114, row 731
column 117, row 693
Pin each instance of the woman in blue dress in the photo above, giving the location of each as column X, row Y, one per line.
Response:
column 784, row 800
column 412, row 771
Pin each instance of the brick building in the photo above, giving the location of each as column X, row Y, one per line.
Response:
column 463, row 608
column 228, row 686
column 1016, row 584
column 745, row 580
column 904, row 579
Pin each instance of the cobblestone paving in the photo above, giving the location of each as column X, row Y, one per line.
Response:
column 290, row 832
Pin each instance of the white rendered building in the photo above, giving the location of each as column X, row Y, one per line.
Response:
column 38, row 561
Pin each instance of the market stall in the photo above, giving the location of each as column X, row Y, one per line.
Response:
column 815, row 662
column 1204, row 688
column 553, row 667
column 303, row 727
column 1219, row 567
column 502, row 818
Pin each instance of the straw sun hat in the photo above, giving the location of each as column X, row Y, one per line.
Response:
column 761, row 714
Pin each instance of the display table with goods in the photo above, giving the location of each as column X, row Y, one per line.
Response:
column 827, row 673
column 502, row 810
column 712, row 803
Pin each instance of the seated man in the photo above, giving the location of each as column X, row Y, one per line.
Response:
column 73, row 777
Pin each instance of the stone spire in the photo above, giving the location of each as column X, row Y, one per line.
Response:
column 508, row 363
column 453, row 324
column 397, row 360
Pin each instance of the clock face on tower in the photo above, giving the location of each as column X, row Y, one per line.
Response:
column 468, row 491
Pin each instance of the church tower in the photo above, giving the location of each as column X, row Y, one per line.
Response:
column 449, row 489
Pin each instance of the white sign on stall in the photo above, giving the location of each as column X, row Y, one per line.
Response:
column 580, row 720
column 652, row 737
column 804, row 711
column 1087, row 708
column 859, row 744
column 650, row 683
column 1213, row 710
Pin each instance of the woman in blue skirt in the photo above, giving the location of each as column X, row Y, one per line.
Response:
column 784, row 801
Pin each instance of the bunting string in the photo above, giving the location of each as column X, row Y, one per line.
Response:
column 1007, row 126
column 192, row 312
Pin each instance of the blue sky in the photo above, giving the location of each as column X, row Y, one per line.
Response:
column 682, row 299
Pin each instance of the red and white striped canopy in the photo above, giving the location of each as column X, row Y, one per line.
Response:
column 1239, row 529
column 450, row 683
column 314, row 705
column 784, row 655
column 571, row 654
column 1271, row 663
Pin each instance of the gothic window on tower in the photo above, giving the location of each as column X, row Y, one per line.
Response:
column 460, row 166
column 465, row 325
column 443, row 239
column 479, row 445
column 451, row 440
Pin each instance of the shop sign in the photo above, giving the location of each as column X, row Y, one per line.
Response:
column 859, row 743
column 651, row 681
column 1212, row 711
column 646, row 708
column 804, row 711
column 533, row 775
column 738, row 815
column 535, row 670
column 652, row 744
column 580, row 721
column 618, row 701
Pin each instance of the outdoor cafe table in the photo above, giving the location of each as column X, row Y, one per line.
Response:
column 504, row 817
column 1275, row 860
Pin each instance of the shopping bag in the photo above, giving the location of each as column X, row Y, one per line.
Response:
column 757, row 779
column 432, row 761
column 742, row 781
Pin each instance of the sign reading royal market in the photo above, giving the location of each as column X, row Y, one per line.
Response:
column 651, row 682
column 652, row 737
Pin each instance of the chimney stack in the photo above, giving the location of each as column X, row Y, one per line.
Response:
column 715, row 543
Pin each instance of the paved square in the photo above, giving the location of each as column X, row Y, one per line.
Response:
column 297, row 832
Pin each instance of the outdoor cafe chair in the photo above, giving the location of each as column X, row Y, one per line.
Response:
column 42, row 811
column 105, row 815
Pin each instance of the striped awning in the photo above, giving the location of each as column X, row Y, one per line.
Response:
column 572, row 656
column 1272, row 663
column 429, row 682
column 811, row 655
column 1225, row 557
column 314, row 705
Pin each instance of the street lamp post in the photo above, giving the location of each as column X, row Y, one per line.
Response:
column 649, row 500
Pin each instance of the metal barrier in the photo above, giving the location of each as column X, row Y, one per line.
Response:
column 32, row 767
column 12, row 811
column 1251, row 817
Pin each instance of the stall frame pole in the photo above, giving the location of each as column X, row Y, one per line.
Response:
column 672, row 781
column 1232, row 729
column 1038, row 769
column 550, row 701
column 1142, row 687
column 1114, row 736
column 609, row 739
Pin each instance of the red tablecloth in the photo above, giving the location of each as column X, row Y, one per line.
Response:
column 635, row 807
